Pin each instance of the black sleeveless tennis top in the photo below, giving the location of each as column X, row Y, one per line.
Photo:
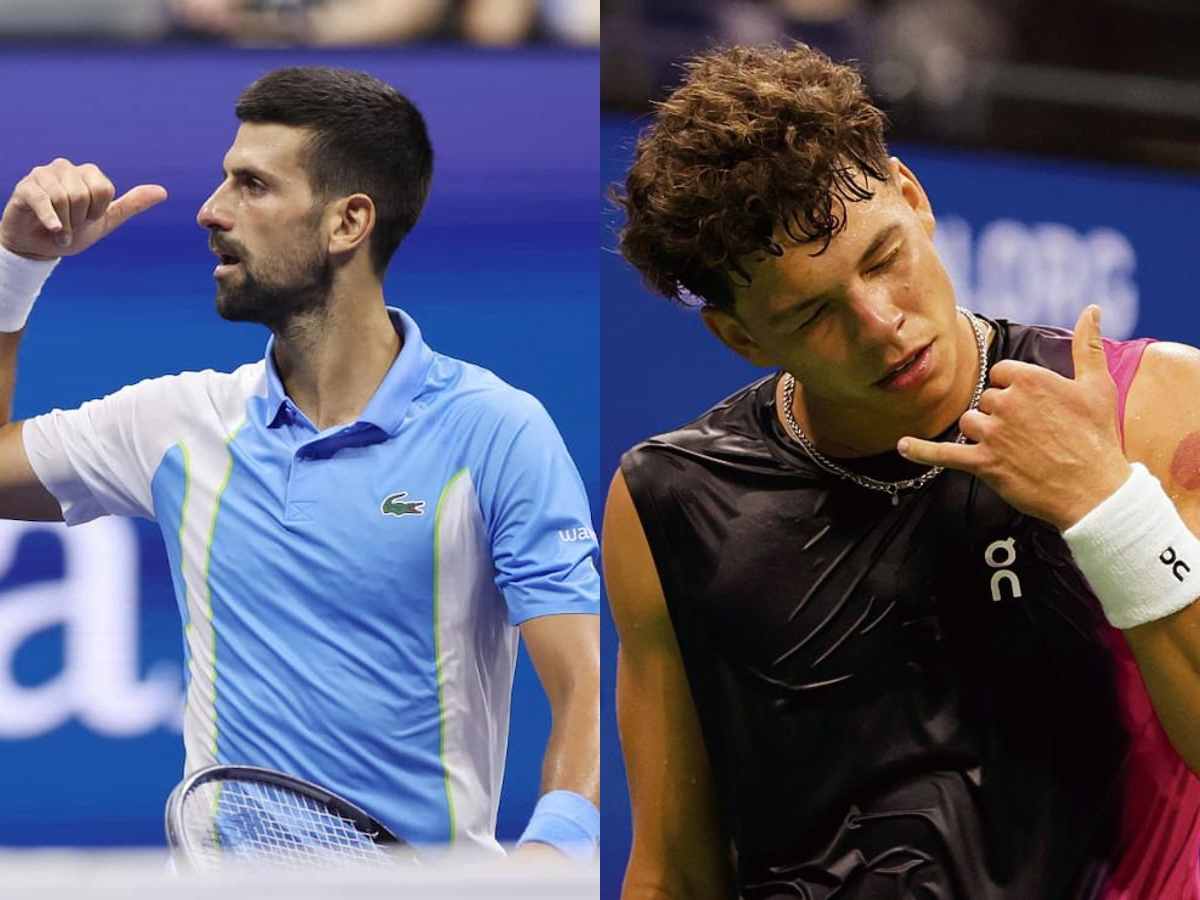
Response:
column 921, row 700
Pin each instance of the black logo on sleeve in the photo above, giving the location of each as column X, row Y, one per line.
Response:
column 1178, row 567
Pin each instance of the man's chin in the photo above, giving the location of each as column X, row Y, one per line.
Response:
column 235, row 309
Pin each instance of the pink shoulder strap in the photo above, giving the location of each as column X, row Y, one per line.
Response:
column 1124, row 357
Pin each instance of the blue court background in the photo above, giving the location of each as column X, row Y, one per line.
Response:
column 1029, row 239
column 501, row 270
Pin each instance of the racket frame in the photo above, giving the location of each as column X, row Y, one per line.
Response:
column 177, row 838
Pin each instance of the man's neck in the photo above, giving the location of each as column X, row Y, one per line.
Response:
column 838, row 435
column 332, row 362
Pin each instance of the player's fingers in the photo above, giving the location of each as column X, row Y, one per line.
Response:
column 31, row 195
column 974, row 425
column 53, row 188
column 100, row 189
column 79, row 198
column 966, row 457
column 991, row 400
column 135, row 200
column 1008, row 372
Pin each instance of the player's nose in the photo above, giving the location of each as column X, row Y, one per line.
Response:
column 877, row 316
column 213, row 214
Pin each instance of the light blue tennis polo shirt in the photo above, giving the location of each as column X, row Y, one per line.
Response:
column 349, row 596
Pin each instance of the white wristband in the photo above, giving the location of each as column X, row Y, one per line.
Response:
column 21, row 281
column 1141, row 560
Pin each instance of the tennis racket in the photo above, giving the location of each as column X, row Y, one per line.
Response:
column 229, row 813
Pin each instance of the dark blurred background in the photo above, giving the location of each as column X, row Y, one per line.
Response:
column 317, row 23
column 1115, row 80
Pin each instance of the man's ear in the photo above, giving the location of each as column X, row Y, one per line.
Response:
column 729, row 330
column 913, row 194
column 353, row 222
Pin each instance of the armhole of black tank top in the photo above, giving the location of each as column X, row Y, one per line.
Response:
column 647, row 507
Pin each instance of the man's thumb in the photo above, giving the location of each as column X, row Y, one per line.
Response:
column 135, row 200
column 1087, row 347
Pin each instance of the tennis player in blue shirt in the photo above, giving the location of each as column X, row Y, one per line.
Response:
column 358, row 526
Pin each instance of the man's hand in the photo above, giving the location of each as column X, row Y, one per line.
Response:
column 62, row 209
column 1048, row 445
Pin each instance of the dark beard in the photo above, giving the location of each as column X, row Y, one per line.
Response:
column 276, row 303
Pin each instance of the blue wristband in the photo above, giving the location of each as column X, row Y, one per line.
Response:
column 568, row 822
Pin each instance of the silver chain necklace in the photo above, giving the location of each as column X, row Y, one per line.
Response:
column 892, row 488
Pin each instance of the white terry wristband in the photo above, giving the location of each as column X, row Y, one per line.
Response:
column 21, row 281
column 1141, row 560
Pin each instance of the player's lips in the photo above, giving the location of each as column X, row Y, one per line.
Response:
column 228, row 262
column 910, row 371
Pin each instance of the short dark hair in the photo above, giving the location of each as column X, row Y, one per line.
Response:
column 367, row 138
column 756, row 138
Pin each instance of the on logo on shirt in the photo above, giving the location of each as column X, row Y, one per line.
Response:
column 999, row 556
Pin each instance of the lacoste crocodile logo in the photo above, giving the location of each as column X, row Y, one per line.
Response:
column 396, row 505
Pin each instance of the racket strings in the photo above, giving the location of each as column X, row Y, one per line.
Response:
column 270, row 824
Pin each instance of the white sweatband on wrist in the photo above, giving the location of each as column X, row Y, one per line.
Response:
column 21, row 281
column 1140, row 559
column 568, row 822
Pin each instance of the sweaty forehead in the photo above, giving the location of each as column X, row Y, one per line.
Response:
column 806, row 265
column 270, row 148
